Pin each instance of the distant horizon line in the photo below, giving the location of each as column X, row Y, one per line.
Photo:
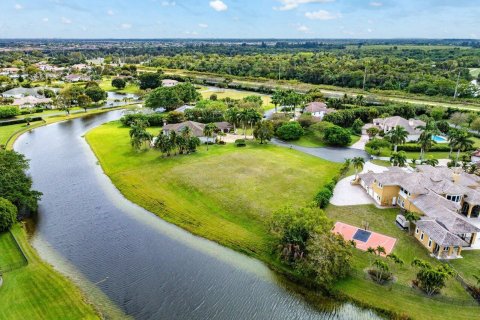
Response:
column 240, row 39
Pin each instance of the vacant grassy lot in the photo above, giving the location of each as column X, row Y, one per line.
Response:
column 106, row 84
column 235, row 94
column 36, row 291
column 225, row 194
column 399, row 298
column 469, row 265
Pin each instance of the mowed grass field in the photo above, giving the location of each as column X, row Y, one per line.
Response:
column 399, row 298
column 36, row 291
column 225, row 194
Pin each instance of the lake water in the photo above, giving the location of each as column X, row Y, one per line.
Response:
column 116, row 251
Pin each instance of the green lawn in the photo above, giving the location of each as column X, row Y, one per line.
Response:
column 106, row 84
column 236, row 94
column 36, row 291
column 225, row 194
column 401, row 300
column 385, row 152
column 10, row 255
column 469, row 265
column 7, row 131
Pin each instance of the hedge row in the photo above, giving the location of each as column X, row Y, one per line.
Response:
column 18, row 121
column 416, row 147
column 322, row 199
column 154, row 119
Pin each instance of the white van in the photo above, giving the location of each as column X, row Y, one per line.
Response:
column 402, row 222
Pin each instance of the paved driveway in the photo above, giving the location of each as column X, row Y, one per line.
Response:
column 346, row 194
column 360, row 144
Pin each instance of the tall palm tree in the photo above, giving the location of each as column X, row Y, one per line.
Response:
column 463, row 142
column 425, row 141
column 278, row 98
column 232, row 116
column 208, row 131
column 254, row 117
column 397, row 135
column 452, row 136
column 411, row 217
column 357, row 163
column 244, row 117
column 398, row 159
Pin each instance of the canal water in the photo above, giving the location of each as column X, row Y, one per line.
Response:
column 149, row 269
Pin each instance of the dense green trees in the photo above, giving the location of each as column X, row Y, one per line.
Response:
column 15, row 185
column 337, row 136
column 9, row 112
column 171, row 98
column 150, row 80
column 432, row 279
column 290, row 131
column 8, row 214
column 119, row 83
column 263, row 131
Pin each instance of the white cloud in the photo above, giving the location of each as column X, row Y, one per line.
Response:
column 110, row 12
column 218, row 5
column 169, row 3
column 376, row 4
column 292, row 4
column 203, row 25
column 322, row 15
column 66, row 20
column 125, row 26
column 45, row 19
column 303, row 28
column 369, row 30
column 18, row 6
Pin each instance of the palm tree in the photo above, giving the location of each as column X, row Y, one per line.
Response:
column 432, row 162
column 244, row 117
column 208, row 131
column 425, row 141
column 278, row 97
column 397, row 135
column 232, row 116
column 398, row 159
column 411, row 217
column 452, row 136
column 357, row 163
column 463, row 142
column 139, row 134
column 254, row 118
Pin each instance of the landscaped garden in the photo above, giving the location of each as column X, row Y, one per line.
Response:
column 454, row 301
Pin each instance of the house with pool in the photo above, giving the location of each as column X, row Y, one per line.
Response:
column 447, row 200
column 387, row 124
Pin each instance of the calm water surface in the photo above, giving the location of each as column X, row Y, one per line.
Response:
column 148, row 268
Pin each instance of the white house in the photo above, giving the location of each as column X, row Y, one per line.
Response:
column 318, row 109
column 411, row 126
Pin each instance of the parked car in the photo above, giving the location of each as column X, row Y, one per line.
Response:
column 402, row 222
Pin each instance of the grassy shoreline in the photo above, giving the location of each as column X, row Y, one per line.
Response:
column 146, row 188
column 37, row 289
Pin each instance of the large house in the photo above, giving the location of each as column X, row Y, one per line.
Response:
column 196, row 128
column 20, row 92
column 387, row 124
column 318, row 109
column 448, row 201
column 31, row 101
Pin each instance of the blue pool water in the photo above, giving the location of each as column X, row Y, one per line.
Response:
column 439, row 139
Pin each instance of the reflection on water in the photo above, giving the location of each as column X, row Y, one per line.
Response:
column 147, row 267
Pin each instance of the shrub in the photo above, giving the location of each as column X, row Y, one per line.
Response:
column 307, row 120
column 415, row 147
column 119, row 83
column 9, row 112
column 8, row 214
column 376, row 144
column 154, row 119
column 337, row 136
column 323, row 197
column 240, row 143
column 290, row 131
column 17, row 121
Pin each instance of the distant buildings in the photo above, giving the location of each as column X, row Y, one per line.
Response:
column 318, row 109
column 76, row 78
column 169, row 83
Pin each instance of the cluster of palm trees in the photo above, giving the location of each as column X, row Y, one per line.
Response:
column 242, row 117
column 139, row 135
column 287, row 98
column 459, row 140
column 183, row 143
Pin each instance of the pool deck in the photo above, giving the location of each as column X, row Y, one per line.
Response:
column 375, row 239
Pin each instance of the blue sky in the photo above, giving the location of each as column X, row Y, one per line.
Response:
column 240, row 18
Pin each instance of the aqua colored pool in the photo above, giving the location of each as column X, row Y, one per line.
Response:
column 439, row 139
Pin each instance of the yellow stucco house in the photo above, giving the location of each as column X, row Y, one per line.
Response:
column 447, row 200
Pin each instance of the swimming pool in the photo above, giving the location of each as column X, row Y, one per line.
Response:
column 439, row 139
